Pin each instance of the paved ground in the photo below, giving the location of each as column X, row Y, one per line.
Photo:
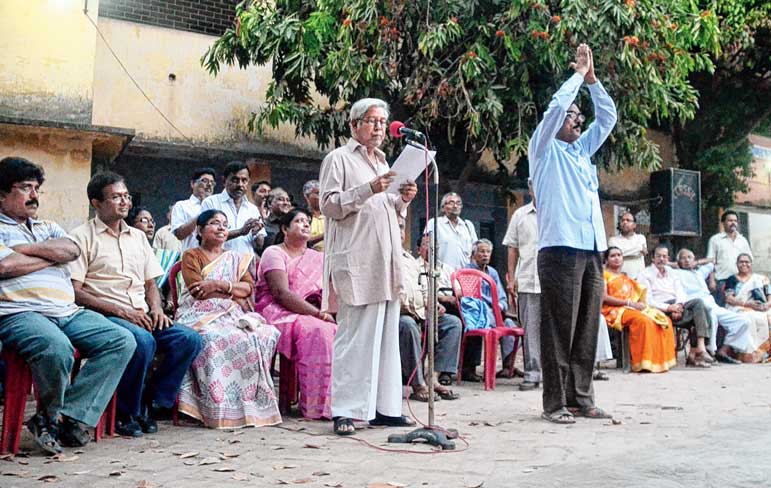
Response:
column 687, row 428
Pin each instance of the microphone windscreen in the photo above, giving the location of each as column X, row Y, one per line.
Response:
column 393, row 129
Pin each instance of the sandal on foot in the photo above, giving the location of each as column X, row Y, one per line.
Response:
column 388, row 421
column 600, row 376
column 422, row 395
column 445, row 379
column 528, row 386
column 343, row 426
column 697, row 362
column 446, row 394
column 45, row 433
column 725, row 358
column 71, row 434
column 561, row 416
column 593, row 413
column 471, row 377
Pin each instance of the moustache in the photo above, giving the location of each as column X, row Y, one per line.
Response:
column 34, row 201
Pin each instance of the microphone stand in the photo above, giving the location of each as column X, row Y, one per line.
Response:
column 431, row 434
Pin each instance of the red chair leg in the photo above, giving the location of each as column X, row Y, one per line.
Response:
column 491, row 358
column 107, row 420
column 460, row 358
column 175, row 413
column 18, row 380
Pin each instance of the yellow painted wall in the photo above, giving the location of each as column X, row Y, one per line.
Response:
column 204, row 108
column 66, row 158
column 46, row 59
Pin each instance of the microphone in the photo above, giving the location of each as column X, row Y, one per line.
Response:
column 398, row 130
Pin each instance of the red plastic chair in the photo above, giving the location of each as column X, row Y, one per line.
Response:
column 287, row 381
column 468, row 283
column 18, row 382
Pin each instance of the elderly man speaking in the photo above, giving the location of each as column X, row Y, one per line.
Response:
column 571, row 237
column 362, row 276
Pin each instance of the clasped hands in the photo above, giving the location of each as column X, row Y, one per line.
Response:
column 584, row 64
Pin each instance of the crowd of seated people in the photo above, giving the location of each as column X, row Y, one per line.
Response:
column 249, row 288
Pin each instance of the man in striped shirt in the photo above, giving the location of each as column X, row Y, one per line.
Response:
column 40, row 321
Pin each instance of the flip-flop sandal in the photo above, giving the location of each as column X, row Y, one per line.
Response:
column 45, row 434
column 340, row 422
column 447, row 394
column 600, row 376
column 697, row 363
column 593, row 413
column 561, row 416
column 445, row 379
column 422, row 396
column 388, row 421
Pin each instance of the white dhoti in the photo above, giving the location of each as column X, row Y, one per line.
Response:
column 760, row 326
column 604, row 351
column 737, row 327
column 366, row 366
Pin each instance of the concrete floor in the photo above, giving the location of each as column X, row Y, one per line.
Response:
column 686, row 428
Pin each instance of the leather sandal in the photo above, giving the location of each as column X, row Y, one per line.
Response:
column 593, row 413
column 389, row 421
column 446, row 394
column 561, row 416
column 697, row 362
column 343, row 426
column 45, row 434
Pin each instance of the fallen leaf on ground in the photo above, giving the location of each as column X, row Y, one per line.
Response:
column 6, row 457
column 616, row 422
column 282, row 482
column 320, row 473
column 312, row 446
column 472, row 424
column 230, row 454
column 20, row 474
column 233, row 441
column 23, row 462
column 285, row 466
column 48, row 478
column 188, row 455
column 333, row 484
column 189, row 463
column 476, row 485
column 115, row 473
column 277, row 448
column 240, row 477
column 301, row 481
column 387, row 484
column 82, row 472
column 65, row 459
column 208, row 460
column 224, row 469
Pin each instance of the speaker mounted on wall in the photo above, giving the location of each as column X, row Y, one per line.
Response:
column 676, row 203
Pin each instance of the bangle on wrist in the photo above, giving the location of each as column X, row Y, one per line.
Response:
column 230, row 288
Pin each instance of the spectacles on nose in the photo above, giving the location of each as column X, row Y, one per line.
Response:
column 120, row 197
column 145, row 220
column 456, row 204
column 205, row 181
column 282, row 199
column 578, row 116
column 375, row 122
column 221, row 225
column 28, row 188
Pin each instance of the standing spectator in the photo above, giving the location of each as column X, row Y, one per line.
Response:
column 311, row 194
column 165, row 238
column 279, row 204
column 724, row 248
column 260, row 192
column 633, row 246
column 115, row 275
column 39, row 318
column 571, row 238
column 523, row 285
column 246, row 232
column 362, row 272
column 455, row 236
column 481, row 252
column 185, row 212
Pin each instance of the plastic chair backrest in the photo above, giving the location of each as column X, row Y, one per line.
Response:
column 468, row 283
column 173, row 284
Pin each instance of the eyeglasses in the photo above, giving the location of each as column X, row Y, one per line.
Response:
column 374, row 122
column 117, row 198
column 571, row 115
column 217, row 223
column 28, row 188
column 281, row 199
column 204, row 181
column 454, row 203
column 145, row 220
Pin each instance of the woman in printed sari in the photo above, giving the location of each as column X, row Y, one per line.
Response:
column 288, row 295
column 229, row 383
column 651, row 336
column 747, row 292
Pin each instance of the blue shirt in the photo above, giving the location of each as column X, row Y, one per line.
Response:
column 694, row 282
column 486, row 293
column 564, row 178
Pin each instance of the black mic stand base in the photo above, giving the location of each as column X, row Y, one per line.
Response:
column 430, row 436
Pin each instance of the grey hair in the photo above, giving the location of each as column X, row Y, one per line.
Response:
column 743, row 255
column 359, row 108
column 683, row 251
column 481, row 241
column 448, row 195
column 309, row 186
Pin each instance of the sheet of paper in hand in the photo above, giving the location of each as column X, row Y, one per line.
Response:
column 408, row 166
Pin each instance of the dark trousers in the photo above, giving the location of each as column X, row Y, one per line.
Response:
column 179, row 346
column 571, row 297
column 696, row 315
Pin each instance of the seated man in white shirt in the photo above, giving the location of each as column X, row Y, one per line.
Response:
column 665, row 292
column 737, row 326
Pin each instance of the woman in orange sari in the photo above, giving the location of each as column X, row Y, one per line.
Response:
column 651, row 336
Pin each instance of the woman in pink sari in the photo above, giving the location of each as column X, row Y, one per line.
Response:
column 229, row 383
column 288, row 295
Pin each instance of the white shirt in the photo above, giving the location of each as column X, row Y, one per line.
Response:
column 725, row 251
column 183, row 212
column 664, row 288
column 236, row 219
column 633, row 249
column 453, row 242
column 522, row 233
